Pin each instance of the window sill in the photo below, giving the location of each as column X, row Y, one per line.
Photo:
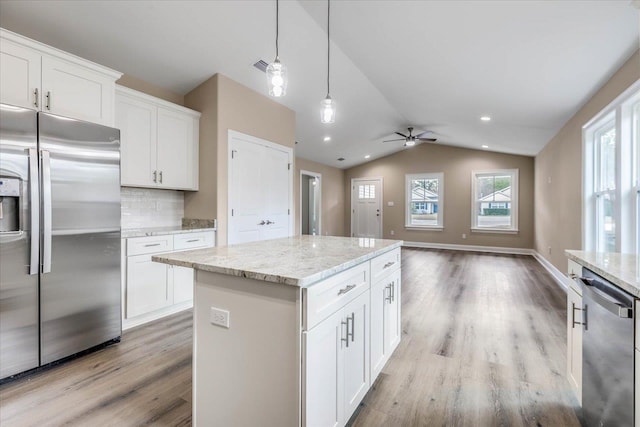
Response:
column 495, row 230
column 423, row 228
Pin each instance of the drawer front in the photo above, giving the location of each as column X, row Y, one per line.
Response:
column 328, row 296
column 193, row 240
column 149, row 245
column 385, row 264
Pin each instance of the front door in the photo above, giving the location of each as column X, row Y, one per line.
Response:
column 366, row 208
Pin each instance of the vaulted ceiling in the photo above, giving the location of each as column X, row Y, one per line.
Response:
column 436, row 65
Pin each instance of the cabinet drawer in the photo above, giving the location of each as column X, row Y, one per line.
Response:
column 330, row 295
column 192, row 240
column 149, row 245
column 384, row 264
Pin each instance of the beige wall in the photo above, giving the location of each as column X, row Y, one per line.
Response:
column 227, row 105
column 332, row 214
column 558, row 215
column 457, row 165
column 150, row 89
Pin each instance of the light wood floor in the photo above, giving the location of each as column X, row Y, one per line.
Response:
column 484, row 344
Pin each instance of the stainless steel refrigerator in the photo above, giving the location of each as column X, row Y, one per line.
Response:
column 59, row 238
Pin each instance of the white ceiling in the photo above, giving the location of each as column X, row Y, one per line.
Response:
column 437, row 65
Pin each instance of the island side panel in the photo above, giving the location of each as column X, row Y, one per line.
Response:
column 249, row 374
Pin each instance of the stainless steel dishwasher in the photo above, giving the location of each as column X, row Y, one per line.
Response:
column 608, row 352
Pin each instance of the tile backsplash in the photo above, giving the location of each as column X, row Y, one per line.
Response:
column 144, row 207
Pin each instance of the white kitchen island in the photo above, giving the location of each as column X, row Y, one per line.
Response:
column 291, row 332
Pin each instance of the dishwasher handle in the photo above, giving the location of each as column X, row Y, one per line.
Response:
column 603, row 300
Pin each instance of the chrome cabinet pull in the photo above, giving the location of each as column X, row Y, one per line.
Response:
column 389, row 264
column 155, row 176
column 151, row 244
column 346, row 324
column 193, row 240
column 353, row 327
column 270, row 222
column 262, row 222
column 393, row 291
column 34, row 196
column 35, row 97
column 573, row 316
column 346, row 289
column 387, row 295
column 160, row 177
column 48, row 101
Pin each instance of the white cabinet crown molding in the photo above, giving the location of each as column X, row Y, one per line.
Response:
column 132, row 93
column 52, row 51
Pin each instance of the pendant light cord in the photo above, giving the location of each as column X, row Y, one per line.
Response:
column 328, row 43
column 277, row 20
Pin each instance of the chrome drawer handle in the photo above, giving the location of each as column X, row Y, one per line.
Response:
column 346, row 340
column 150, row 245
column 389, row 264
column 193, row 240
column 573, row 315
column 346, row 289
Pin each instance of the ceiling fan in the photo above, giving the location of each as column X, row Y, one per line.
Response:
column 411, row 140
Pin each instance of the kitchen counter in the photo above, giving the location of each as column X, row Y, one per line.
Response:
column 621, row 269
column 298, row 261
column 160, row 231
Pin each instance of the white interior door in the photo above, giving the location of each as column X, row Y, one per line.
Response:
column 260, row 189
column 366, row 208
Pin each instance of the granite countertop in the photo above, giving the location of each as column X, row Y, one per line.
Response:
column 127, row 233
column 622, row 270
column 297, row 261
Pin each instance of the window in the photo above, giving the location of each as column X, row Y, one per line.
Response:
column 612, row 176
column 495, row 200
column 366, row 191
column 424, row 200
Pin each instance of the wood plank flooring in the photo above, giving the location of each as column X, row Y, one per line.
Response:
column 484, row 344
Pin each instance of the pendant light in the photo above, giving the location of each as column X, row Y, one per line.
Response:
column 328, row 109
column 276, row 71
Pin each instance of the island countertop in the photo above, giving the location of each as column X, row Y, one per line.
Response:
column 623, row 270
column 297, row 261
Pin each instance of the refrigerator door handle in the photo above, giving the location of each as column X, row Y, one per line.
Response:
column 46, row 211
column 34, row 197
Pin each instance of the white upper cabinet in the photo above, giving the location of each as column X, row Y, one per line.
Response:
column 159, row 142
column 34, row 75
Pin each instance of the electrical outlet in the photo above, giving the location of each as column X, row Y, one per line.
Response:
column 392, row 232
column 464, row 236
column 391, row 204
column 549, row 250
column 220, row 317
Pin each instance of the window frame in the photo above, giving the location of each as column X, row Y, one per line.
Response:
column 407, row 205
column 515, row 190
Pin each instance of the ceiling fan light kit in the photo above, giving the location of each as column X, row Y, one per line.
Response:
column 276, row 71
column 328, row 105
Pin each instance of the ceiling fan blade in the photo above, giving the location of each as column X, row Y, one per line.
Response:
column 401, row 134
column 395, row 140
column 423, row 134
column 427, row 139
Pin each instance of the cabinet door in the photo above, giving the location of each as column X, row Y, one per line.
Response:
column 574, row 342
column 73, row 91
column 356, row 354
column 393, row 324
column 182, row 284
column 19, row 75
column 148, row 285
column 323, row 370
column 380, row 292
column 137, row 123
column 175, row 149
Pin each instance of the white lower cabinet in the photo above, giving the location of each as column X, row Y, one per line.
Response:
column 385, row 320
column 337, row 364
column 154, row 290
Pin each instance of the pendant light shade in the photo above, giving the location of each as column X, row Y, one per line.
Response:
column 328, row 110
column 328, row 105
column 276, row 71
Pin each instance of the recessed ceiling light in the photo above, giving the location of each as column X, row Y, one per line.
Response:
column 327, row 138
column 485, row 146
column 485, row 118
column 367, row 156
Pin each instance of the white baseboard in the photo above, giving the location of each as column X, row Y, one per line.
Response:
column 155, row 315
column 558, row 276
column 470, row 248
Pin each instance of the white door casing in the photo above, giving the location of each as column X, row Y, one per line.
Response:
column 317, row 200
column 260, row 189
column 366, row 207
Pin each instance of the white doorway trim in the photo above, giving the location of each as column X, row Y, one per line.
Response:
column 318, row 176
column 354, row 181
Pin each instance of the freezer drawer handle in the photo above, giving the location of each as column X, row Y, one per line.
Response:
column 612, row 307
column 34, row 196
column 46, row 211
